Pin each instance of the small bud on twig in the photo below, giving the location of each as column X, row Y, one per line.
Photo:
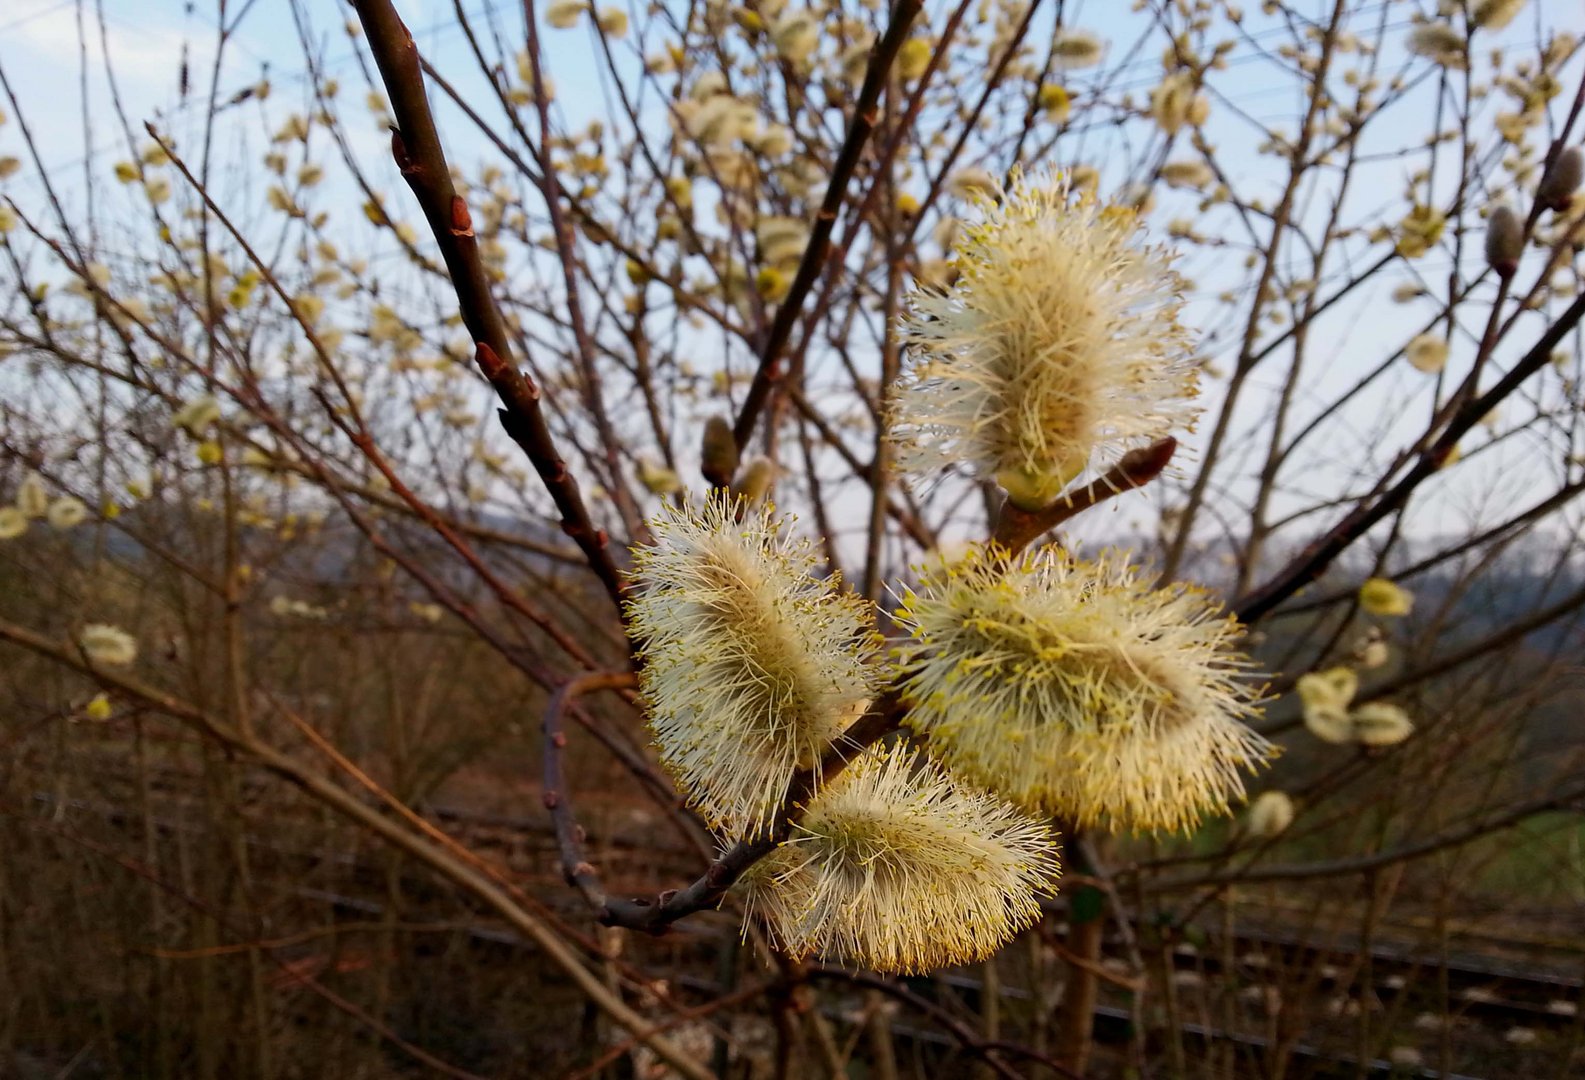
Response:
column 404, row 161
column 1143, row 464
column 719, row 452
column 461, row 220
column 756, row 480
column 1561, row 180
column 1504, row 241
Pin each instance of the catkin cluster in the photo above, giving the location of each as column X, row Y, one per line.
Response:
column 1039, row 686
column 752, row 669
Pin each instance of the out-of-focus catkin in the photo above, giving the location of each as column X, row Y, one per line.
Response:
column 1562, row 180
column 1504, row 241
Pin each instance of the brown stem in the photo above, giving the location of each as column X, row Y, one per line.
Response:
column 575, row 867
column 1076, row 1022
column 655, row 915
column 1016, row 529
column 415, row 144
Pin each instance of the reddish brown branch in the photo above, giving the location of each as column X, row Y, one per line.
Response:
column 1016, row 529
column 415, row 144
column 575, row 867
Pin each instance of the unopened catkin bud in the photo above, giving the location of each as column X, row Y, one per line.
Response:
column 1269, row 815
column 1504, row 241
column 755, row 482
column 1561, row 180
column 718, row 456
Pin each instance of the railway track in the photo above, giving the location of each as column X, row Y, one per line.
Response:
column 1494, row 994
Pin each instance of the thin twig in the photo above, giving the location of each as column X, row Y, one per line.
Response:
column 1319, row 555
column 657, row 914
column 575, row 867
column 415, row 144
column 771, row 367
column 982, row 1048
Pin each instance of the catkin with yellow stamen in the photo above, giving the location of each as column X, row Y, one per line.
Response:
column 1058, row 343
column 898, row 868
column 1074, row 689
column 752, row 666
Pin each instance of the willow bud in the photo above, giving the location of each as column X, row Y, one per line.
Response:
column 1504, row 241
column 755, row 482
column 1269, row 815
column 1379, row 723
column 1561, row 180
column 718, row 455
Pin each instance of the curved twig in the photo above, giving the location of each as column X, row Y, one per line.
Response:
column 577, row 869
column 655, row 915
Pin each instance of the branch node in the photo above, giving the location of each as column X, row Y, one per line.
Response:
column 404, row 161
column 488, row 360
column 461, row 220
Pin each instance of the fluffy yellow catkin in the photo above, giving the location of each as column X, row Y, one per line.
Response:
column 107, row 645
column 1269, row 815
column 1058, row 342
column 751, row 665
column 1379, row 596
column 1326, row 696
column 1494, row 14
column 898, row 868
column 1074, row 689
column 13, row 523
